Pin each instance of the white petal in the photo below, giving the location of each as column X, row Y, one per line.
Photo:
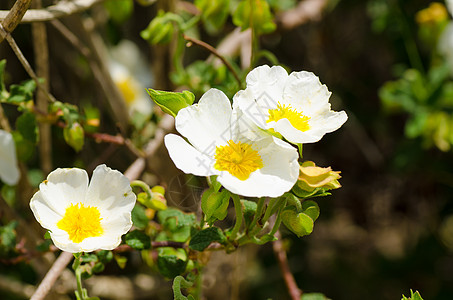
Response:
column 110, row 189
column 329, row 121
column 267, row 84
column 304, row 92
column 64, row 187
column 187, row 158
column 264, row 91
column 243, row 128
column 278, row 175
column 46, row 214
column 9, row 171
column 61, row 240
column 207, row 123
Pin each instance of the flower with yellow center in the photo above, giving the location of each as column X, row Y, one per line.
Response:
column 9, row 170
column 295, row 105
column 248, row 161
column 82, row 216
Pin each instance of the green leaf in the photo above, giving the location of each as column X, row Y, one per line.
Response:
column 313, row 296
column 172, row 102
column 27, row 126
column 105, row 256
column 205, row 237
column 3, row 92
column 23, row 92
column 24, row 148
column 182, row 219
column 139, row 218
column 215, row 204
column 88, row 257
column 255, row 14
column 119, row 10
column 213, row 13
column 98, row 267
column 171, row 262
column 138, row 240
column 299, row 223
column 249, row 210
column 160, row 29
column 8, row 235
column 74, row 136
column 121, row 261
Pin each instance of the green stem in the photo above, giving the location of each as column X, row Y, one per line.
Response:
column 278, row 221
column 292, row 200
column 259, row 212
column 239, row 216
column 143, row 186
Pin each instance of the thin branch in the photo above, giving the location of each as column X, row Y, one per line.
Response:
column 216, row 53
column 305, row 11
column 13, row 17
column 25, row 63
column 290, row 282
column 61, row 9
column 54, row 272
column 41, row 51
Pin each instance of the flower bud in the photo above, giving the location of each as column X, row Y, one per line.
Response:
column 312, row 177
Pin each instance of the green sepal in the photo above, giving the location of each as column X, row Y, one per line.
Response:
column 215, row 204
column 74, row 136
column 299, row 223
column 317, row 192
column 414, row 296
column 171, row 102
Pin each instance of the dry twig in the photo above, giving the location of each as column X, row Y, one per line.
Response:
column 282, row 259
column 54, row 272
column 59, row 10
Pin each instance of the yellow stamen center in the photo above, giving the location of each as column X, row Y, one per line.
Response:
column 239, row 159
column 126, row 87
column 81, row 222
column 297, row 119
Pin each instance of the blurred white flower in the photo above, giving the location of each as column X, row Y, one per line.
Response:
column 9, row 170
column 129, row 71
column 81, row 216
column 295, row 106
column 247, row 160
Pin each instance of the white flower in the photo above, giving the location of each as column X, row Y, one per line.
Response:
column 249, row 161
column 296, row 105
column 81, row 216
column 9, row 171
column 450, row 6
column 130, row 74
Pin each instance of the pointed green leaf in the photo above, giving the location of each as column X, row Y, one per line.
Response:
column 205, row 237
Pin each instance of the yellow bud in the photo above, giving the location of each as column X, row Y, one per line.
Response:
column 312, row 177
column 434, row 13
